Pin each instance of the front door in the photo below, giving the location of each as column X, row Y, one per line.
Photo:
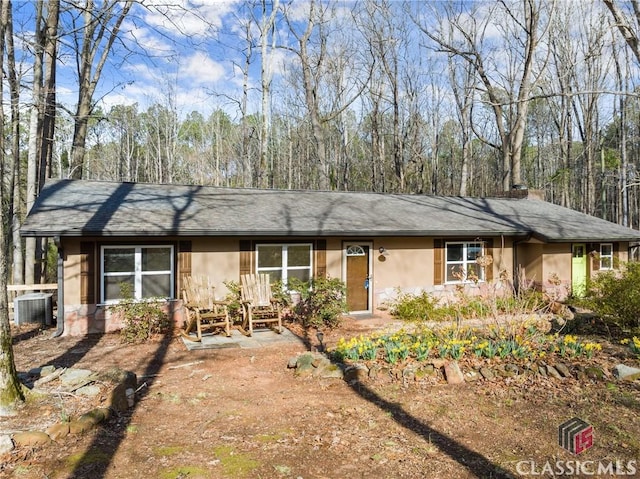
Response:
column 578, row 269
column 358, row 278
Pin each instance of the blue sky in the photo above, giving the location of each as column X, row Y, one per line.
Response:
column 189, row 51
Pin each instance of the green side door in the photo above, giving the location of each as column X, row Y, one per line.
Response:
column 578, row 269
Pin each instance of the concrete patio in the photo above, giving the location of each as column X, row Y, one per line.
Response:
column 260, row 338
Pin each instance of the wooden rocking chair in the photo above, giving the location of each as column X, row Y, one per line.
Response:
column 258, row 304
column 202, row 309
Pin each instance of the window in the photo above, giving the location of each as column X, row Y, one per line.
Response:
column 148, row 270
column 284, row 261
column 461, row 265
column 606, row 256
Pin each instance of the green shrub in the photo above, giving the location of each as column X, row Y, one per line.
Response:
column 322, row 301
column 142, row 319
column 411, row 307
column 234, row 298
column 423, row 307
column 615, row 296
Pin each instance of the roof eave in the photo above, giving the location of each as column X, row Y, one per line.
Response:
column 273, row 233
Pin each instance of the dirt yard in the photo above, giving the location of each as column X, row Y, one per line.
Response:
column 241, row 413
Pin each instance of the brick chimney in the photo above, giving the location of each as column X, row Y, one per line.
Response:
column 520, row 191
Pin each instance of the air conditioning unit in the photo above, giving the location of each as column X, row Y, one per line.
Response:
column 33, row 308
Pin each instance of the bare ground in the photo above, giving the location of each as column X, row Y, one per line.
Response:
column 241, row 413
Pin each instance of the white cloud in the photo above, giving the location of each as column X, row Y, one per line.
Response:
column 201, row 69
column 188, row 18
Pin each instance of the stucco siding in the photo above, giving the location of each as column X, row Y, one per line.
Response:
column 72, row 271
column 405, row 264
column 217, row 258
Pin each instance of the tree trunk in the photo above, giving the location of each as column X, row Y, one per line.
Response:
column 98, row 34
column 267, row 25
column 16, row 199
column 35, row 133
column 49, row 113
column 10, row 389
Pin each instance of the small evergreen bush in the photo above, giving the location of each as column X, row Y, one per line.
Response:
column 142, row 319
column 410, row 307
column 615, row 295
column 322, row 301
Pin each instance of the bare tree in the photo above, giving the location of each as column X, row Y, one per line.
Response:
column 10, row 388
column 387, row 40
column 267, row 23
column 507, row 75
column 96, row 29
column 15, row 201
column 627, row 22
column 463, row 83
column 325, row 95
column 35, row 125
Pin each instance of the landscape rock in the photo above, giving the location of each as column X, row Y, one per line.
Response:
column 119, row 376
column 594, row 372
column 408, row 374
column 49, row 378
column 357, row 372
column 626, row 373
column 79, row 427
column 31, row 438
column 512, row 369
column 117, row 400
column 374, row 371
column 75, row 378
column 471, row 376
column 453, row 373
column 95, row 416
column 91, row 390
column 553, row 372
column 487, row 373
column 330, row 371
column 6, row 444
column 427, row 369
column 58, row 430
column 304, row 364
column 563, row 370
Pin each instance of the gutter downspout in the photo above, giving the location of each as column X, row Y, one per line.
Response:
column 60, row 269
column 514, row 245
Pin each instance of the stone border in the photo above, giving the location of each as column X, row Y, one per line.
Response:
column 319, row 365
column 119, row 400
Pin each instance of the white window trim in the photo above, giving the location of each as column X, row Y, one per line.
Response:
column 464, row 262
column 610, row 256
column 283, row 267
column 138, row 273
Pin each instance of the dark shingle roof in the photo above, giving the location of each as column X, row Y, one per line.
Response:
column 96, row 208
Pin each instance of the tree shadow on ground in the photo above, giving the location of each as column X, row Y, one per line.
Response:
column 30, row 333
column 471, row 460
column 98, row 456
